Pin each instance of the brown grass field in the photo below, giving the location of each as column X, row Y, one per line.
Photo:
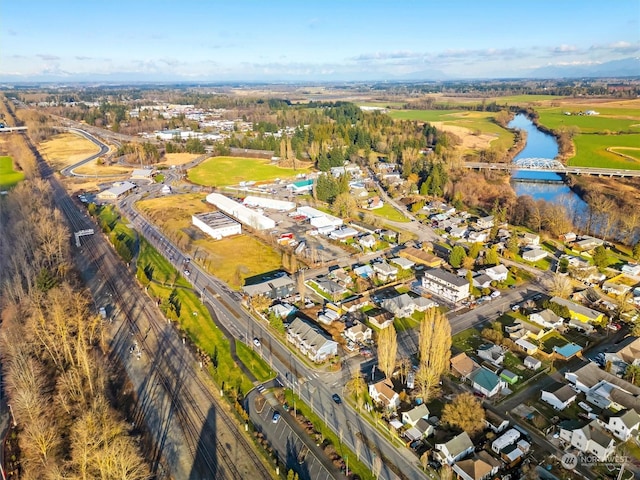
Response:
column 231, row 259
column 178, row 158
column 470, row 141
column 66, row 149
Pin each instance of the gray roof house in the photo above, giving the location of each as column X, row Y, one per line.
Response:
column 625, row 425
column 491, row 353
column 412, row 416
column 559, row 396
column 404, row 305
column 594, row 440
column 311, row 341
column 453, row 450
column 279, row 287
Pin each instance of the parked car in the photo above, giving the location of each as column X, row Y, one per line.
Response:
column 276, row 417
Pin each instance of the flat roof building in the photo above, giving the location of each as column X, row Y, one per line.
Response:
column 245, row 215
column 118, row 190
column 216, row 224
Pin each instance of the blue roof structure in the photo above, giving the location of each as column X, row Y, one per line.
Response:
column 485, row 379
column 568, row 350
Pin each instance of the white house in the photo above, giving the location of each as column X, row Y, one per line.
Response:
column 486, row 382
column 412, row 416
column 532, row 363
column 384, row 271
column 624, row 426
column 458, row 232
column 484, row 223
column 383, row 394
column 445, row 285
column 546, row 318
column 558, row 396
column 455, row 449
column 404, row 305
column 534, row 255
column 499, row 273
column 368, row 241
column 593, row 440
column 403, row 263
column 527, row 346
column 358, row 333
column 478, row 237
column 491, row 353
column 531, row 239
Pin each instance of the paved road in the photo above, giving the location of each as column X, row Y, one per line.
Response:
column 104, row 149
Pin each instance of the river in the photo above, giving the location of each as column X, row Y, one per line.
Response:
column 543, row 185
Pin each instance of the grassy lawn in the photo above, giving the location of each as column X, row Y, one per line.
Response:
column 253, row 362
column 389, row 213
column 152, row 264
column 194, row 320
column 594, row 151
column 231, row 259
column 468, row 340
column 8, row 176
column 551, row 340
column 355, row 465
column 222, row 171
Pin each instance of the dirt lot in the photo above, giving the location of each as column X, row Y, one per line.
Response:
column 66, row 149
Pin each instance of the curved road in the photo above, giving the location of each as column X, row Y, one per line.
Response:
column 104, row 149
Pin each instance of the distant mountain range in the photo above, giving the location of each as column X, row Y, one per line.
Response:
column 627, row 67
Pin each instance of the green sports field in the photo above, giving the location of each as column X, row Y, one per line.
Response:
column 8, row 176
column 224, row 171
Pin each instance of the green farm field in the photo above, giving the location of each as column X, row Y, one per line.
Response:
column 600, row 151
column 8, row 176
column 609, row 120
column 465, row 123
column 223, row 171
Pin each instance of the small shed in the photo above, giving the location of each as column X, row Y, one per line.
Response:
column 509, row 377
column 532, row 363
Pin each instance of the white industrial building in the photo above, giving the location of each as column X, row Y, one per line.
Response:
column 116, row 191
column 324, row 222
column 249, row 217
column 216, row 224
column 270, row 203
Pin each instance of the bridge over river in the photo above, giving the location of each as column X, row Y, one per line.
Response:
column 551, row 166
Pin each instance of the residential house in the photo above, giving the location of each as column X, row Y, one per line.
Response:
column 478, row 237
column 279, row 287
column 403, row 263
column 383, row 394
column 485, row 223
column 532, row 363
column 458, row 232
column 375, row 203
column 486, row 382
column 354, row 304
column 311, row 341
column 341, row 276
column 364, row 271
column 385, row 272
column 604, row 389
column 534, row 254
column 624, row 426
column 593, row 440
column 625, row 353
column 482, row 281
column 580, row 312
column 558, row 395
column 420, row 256
column 426, row 427
column 368, row 241
column 513, row 454
column 481, row 466
column 568, row 237
column 527, row 346
column 531, row 239
column 546, row 318
column 499, row 273
column 495, row 422
column 445, row 285
column 586, row 244
column 282, row 310
column 632, row 269
column 358, row 333
column 455, row 449
column 412, row 416
column 405, row 305
column 462, row 366
column 491, row 353
column 330, row 287
column 379, row 317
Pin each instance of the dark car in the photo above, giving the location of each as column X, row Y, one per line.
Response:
column 336, row 398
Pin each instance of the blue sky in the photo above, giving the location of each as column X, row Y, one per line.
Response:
column 309, row 39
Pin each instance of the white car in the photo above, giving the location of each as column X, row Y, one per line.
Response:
column 495, row 294
column 256, row 342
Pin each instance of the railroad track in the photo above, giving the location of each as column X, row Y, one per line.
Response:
column 194, row 423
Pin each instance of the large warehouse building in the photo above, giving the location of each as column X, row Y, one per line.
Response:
column 216, row 224
column 245, row 215
column 270, row 203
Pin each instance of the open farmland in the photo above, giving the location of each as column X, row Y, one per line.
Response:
column 178, row 158
column 224, row 171
column 475, row 129
column 8, row 176
column 231, row 259
column 608, row 151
